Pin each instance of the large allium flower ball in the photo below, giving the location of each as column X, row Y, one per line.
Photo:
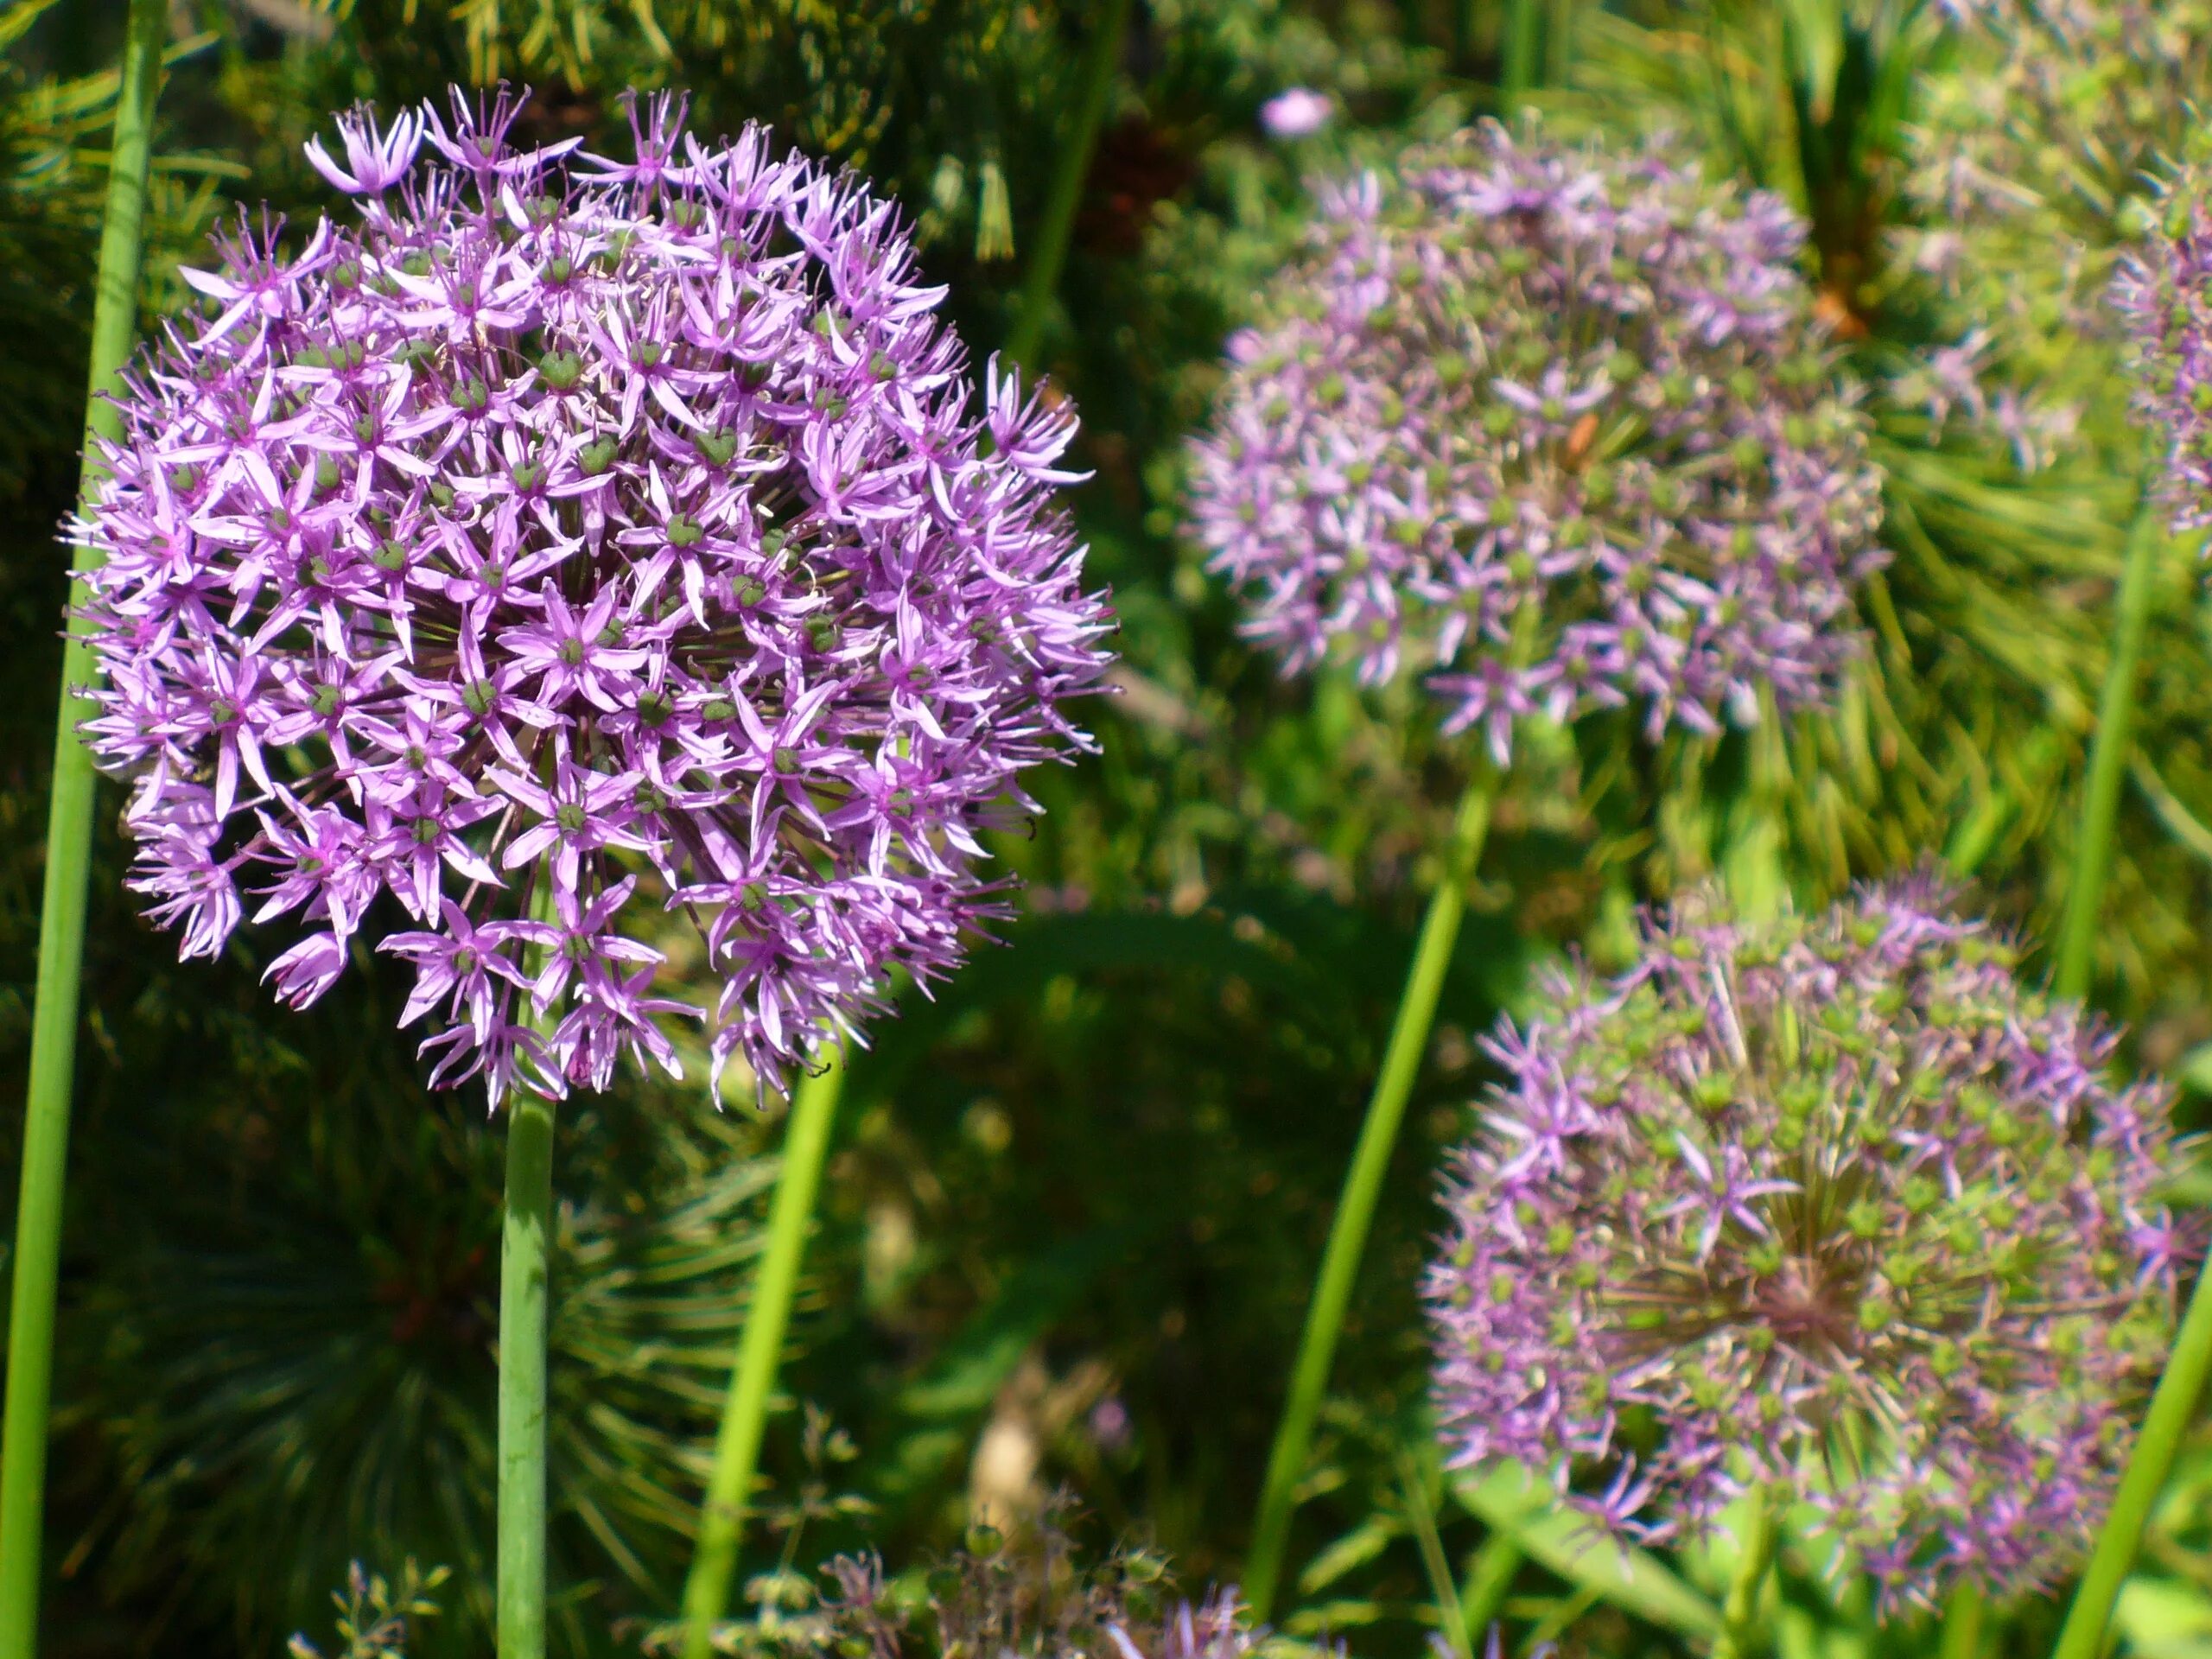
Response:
column 626, row 528
column 1558, row 425
column 1833, row 1207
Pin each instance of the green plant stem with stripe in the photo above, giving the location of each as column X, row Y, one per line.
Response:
column 1355, row 1217
column 737, row 1444
column 2108, row 752
column 69, row 858
column 525, row 1330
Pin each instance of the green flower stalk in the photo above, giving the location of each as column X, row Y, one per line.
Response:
column 1101, row 61
column 2108, row 752
column 737, row 1444
column 1371, row 1162
column 525, row 1316
column 69, row 858
column 1740, row 1611
column 2173, row 1404
column 1522, row 67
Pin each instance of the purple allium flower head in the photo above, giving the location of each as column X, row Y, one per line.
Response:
column 2057, row 95
column 1833, row 1206
column 1297, row 112
column 2163, row 291
column 1557, row 425
column 624, row 526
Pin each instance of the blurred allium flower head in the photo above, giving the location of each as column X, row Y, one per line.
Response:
column 1557, row 427
column 2026, row 165
column 2065, row 106
column 622, row 526
column 1834, row 1207
column 2163, row 291
column 2028, row 171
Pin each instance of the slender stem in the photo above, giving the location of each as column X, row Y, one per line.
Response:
column 1752, row 861
column 1559, row 54
column 737, row 1445
column 524, row 1309
column 1524, row 22
column 1416, row 1490
column 2077, row 932
column 2172, row 1404
column 68, row 861
column 1048, row 250
column 1463, row 35
column 1962, row 1623
column 1739, row 1612
column 1332, row 1289
column 1490, row 1575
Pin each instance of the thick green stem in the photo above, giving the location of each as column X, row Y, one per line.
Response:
column 1371, row 1160
column 524, row 1307
column 1739, row 1612
column 2077, row 932
column 1464, row 21
column 1558, row 45
column 2172, row 1404
column 525, row 1302
column 1524, row 37
column 737, row 1445
column 68, row 858
column 1048, row 246
column 1963, row 1615
column 1752, row 863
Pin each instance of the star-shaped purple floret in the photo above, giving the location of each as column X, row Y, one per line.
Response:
column 633, row 528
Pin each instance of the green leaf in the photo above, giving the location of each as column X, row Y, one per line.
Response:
column 1352, row 1551
column 1512, row 1502
column 2161, row 1619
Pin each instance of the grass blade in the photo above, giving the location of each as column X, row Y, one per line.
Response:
column 1519, row 1507
column 1378, row 1134
column 2077, row 932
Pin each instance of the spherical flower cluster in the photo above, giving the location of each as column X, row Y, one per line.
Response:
column 1560, row 424
column 2163, row 293
column 574, row 539
column 1832, row 1208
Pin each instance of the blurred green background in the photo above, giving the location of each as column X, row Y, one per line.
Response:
column 1075, row 1202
